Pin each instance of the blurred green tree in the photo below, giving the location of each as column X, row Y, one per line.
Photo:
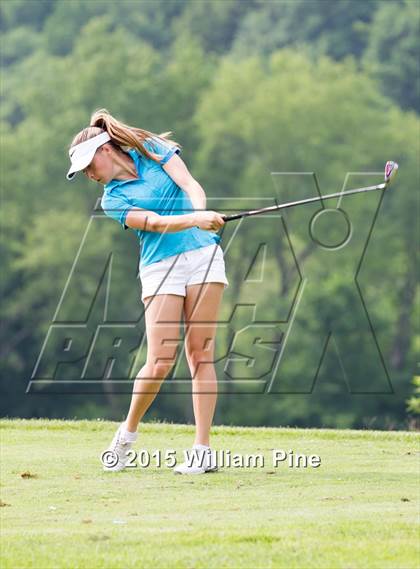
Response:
column 25, row 13
column 214, row 24
column 414, row 401
column 333, row 28
column 393, row 51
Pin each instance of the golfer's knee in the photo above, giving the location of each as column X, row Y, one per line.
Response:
column 199, row 357
column 159, row 369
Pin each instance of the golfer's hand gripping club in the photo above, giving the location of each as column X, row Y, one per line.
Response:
column 208, row 220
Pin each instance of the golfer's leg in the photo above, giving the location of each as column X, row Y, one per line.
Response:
column 201, row 310
column 162, row 317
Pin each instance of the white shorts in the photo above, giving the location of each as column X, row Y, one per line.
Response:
column 173, row 274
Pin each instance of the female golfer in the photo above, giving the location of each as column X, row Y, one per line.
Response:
column 148, row 188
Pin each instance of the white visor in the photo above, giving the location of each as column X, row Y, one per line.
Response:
column 81, row 155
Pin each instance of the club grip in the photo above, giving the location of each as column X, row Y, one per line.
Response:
column 233, row 216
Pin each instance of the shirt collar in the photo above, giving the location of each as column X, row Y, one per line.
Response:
column 112, row 184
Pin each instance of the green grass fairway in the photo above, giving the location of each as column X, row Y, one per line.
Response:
column 359, row 509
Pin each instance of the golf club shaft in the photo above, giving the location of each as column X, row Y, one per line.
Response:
column 305, row 201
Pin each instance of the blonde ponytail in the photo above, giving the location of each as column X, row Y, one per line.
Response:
column 122, row 135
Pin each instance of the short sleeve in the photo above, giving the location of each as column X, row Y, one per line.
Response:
column 116, row 207
column 163, row 148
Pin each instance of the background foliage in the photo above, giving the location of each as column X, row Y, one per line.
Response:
column 248, row 88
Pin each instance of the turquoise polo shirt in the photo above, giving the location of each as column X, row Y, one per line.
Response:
column 155, row 190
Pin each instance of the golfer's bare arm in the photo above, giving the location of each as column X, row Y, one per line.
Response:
column 176, row 168
column 151, row 221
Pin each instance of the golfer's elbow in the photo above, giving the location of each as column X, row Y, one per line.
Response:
column 156, row 224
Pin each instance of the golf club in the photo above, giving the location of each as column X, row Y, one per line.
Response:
column 390, row 172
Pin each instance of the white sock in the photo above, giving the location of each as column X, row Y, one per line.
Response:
column 128, row 435
column 200, row 447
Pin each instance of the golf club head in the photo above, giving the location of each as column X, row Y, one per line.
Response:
column 390, row 171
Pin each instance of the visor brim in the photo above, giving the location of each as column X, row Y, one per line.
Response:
column 80, row 164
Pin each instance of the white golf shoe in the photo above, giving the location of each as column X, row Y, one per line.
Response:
column 115, row 458
column 199, row 460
